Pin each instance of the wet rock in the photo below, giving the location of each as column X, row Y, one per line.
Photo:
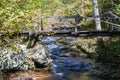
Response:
column 60, row 61
column 39, row 55
column 87, row 67
column 54, row 57
column 83, row 55
column 69, row 54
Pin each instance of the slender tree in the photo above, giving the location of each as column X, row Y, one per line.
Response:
column 97, row 20
column 82, row 7
column 96, row 13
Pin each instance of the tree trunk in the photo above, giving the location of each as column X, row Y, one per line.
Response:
column 97, row 19
column 96, row 13
column 82, row 7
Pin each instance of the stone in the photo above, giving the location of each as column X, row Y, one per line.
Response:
column 39, row 55
column 23, row 58
column 12, row 60
column 69, row 54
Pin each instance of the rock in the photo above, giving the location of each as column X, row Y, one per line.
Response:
column 83, row 55
column 39, row 55
column 23, row 58
column 13, row 60
column 60, row 61
column 28, row 64
column 69, row 54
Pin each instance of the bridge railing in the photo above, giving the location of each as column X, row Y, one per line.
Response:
column 109, row 20
column 114, row 28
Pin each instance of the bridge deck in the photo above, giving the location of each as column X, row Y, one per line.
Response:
column 69, row 33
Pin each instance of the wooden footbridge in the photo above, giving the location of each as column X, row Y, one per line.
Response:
column 73, row 30
column 67, row 33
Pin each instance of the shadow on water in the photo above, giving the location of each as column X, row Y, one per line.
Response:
column 81, row 76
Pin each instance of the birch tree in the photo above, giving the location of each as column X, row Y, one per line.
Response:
column 96, row 13
column 97, row 20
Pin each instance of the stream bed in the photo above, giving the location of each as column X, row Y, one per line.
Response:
column 68, row 68
column 63, row 68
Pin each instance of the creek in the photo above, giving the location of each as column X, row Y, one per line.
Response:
column 63, row 68
column 68, row 68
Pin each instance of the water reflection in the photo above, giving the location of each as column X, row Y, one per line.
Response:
column 81, row 76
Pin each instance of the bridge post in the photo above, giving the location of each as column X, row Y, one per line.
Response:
column 41, row 22
column 110, row 26
column 114, row 20
column 76, row 23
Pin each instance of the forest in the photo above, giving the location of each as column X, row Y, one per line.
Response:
column 59, row 40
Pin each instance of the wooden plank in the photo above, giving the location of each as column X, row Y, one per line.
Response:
column 63, row 28
column 69, row 33
column 96, row 33
column 59, row 17
column 74, row 16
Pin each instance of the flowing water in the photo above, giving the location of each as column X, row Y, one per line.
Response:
column 63, row 68
column 68, row 68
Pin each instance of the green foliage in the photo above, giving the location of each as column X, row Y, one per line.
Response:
column 15, row 15
column 117, row 9
column 82, row 7
column 109, row 50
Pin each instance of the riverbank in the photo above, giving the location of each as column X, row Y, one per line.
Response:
column 105, row 53
column 36, row 74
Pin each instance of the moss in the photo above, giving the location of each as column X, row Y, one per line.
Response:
column 11, row 43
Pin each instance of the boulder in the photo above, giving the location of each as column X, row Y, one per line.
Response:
column 23, row 58
column 13, row 60
column 39, row 55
